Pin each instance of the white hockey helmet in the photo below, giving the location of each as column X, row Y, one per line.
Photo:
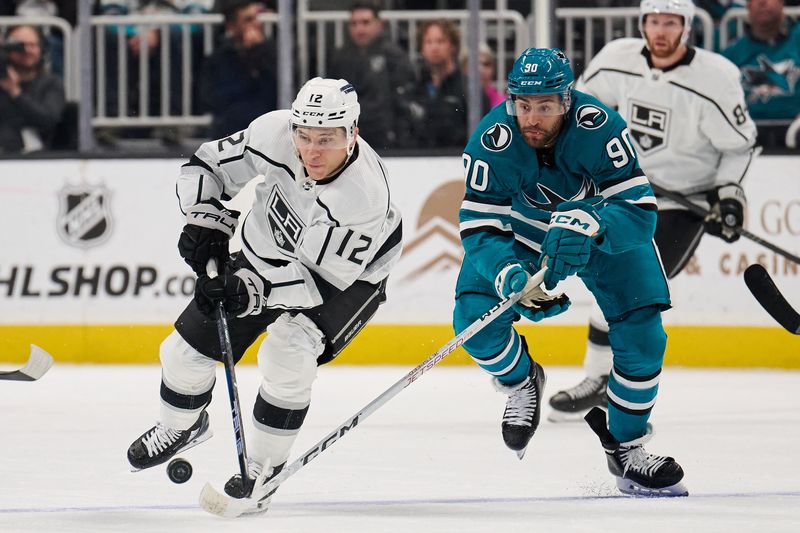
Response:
column 326, row 103
column 684, row 8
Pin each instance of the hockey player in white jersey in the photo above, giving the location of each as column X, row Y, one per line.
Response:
column 317, row 248
column 686, row 112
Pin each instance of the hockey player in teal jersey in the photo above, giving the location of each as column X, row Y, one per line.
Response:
column 552, row 179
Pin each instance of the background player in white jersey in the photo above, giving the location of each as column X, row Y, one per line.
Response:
column 317, row 248
column 686, row 113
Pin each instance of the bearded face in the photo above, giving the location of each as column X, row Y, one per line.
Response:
column 663, row 32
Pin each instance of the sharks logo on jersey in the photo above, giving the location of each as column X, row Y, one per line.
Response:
column 496, row 138
column 285, row 225
column 767, row 79
column 552, row 198
column 590, row 117
column 649, row 126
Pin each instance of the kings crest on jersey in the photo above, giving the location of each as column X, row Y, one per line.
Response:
column 511, row 188
column 309, row 238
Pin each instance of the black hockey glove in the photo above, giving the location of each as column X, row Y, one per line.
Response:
column 209, row 227
column 727, row 212
column 242, row 293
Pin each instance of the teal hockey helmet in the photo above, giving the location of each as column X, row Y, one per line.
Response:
column 538, row 72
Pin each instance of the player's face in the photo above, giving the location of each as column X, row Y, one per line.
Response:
column 663, row 32
column 322, row 150
column 539, row 118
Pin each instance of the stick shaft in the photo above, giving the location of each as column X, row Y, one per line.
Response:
column 703, row 212
column 223, row 332
column 392, row 391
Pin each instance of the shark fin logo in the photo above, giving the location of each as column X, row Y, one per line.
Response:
column 587, row 190
column 590, row 117
column 496, row 138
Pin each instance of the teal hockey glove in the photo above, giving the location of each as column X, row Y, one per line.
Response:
column 568, row 243
column 534, row 304
column 512, row 278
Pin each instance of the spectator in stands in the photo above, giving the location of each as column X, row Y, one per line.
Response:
column 31, row 99
column 769, row 57
column 438, row 101
column 239, row 80
column 54, row 40
column 487, row 71
column 380, row 72
column 147, row 39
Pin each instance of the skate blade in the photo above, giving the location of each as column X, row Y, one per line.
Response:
column 191, row 444
column 631, row 488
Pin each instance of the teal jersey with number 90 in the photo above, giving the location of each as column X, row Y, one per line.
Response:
column 512, row 188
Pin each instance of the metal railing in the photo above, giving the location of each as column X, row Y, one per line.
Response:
column 736, row 18
column 495, row 27
column 68, row 54
column 114, row 27
column 611, row 23
column 506, row 30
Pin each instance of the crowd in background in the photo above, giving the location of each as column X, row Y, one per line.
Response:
column 410, row 105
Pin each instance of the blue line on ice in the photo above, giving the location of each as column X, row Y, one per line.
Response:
column 361, row 503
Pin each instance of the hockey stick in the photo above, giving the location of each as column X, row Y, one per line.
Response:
column 220, row 504
column 230, row 378
column 766, row 292
column 703, row 212
column 38, row 363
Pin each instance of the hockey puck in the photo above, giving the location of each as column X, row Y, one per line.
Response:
column 179, row 470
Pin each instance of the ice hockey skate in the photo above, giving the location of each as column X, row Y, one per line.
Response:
column 160, row 443
column 570, row 405
column 523, row 409
column 235, row 488
column 637, row 472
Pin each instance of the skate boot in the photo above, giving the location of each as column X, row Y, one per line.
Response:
column 638, row 473
column 571, row 404
column 523, row 409
column 159, row 444
column 235, row 488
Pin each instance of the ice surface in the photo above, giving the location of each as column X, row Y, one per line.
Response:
column 431, row 460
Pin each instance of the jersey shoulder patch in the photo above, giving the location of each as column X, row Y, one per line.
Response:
column 496, row 137
column 590, row 117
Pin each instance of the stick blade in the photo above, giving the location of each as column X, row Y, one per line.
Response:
column 39, row 362
column 766, row 292
column 222, row 505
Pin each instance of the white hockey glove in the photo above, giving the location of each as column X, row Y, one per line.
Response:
column 242, row 293
column 209, row 227
column 728, row 204
column 534, row 303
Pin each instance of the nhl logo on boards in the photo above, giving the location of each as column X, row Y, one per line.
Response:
column 590, row 117
column 84, row 217
column 496, row 138
column 285, row 225
column 649, row 126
